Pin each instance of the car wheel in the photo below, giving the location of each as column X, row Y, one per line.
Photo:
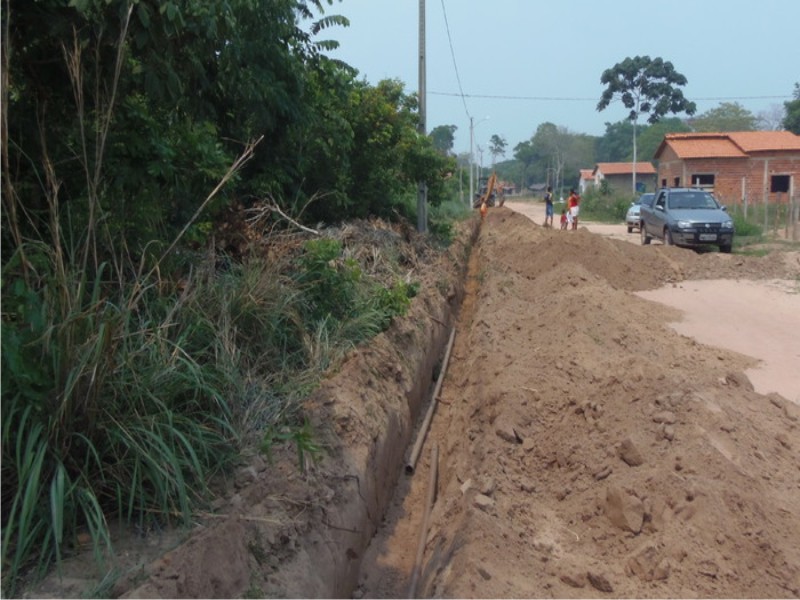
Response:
column 630, row 229
column 725, row 249
column 668, row 238
column 645, row 238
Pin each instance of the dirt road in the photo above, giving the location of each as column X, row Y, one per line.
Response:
column 757, row 318
column 588, row 445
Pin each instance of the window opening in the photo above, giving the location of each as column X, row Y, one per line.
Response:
column 779, row 184
column 702, row 180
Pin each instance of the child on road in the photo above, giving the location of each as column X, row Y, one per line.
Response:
column 548, row 207
column 572, row 206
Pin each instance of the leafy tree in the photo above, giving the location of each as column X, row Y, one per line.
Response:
column 791, row 122
column 139, row 97
column 650, row 137
column 560, row 154
column 497, row 147
column 615, row 144
column 386, row 156
column 443, row 138
column 192, row 82
column 550, row 150
column 728, row 116
column 524, row 154
column 645, row 85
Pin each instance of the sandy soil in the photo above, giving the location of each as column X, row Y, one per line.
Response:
column 589, row 446
column 595, row 435
column 757, row 318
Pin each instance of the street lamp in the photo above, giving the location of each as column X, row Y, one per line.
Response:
column 472, row 156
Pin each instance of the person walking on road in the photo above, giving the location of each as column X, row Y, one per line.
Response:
column 573, row 206
column 548, row 207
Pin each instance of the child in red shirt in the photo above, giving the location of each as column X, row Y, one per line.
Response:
column 572, row 205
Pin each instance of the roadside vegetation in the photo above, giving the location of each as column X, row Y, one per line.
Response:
column 173, row 280
column 605, row 206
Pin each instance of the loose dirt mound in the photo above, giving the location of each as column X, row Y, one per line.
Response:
column 586, row 448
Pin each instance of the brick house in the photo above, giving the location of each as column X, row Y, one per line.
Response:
column 619, row 176
column 585, row 181
column 739, row 167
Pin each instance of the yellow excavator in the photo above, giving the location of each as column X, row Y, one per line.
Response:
column 488, row 194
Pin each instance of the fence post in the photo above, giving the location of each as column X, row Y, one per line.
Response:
column 788, row 215
column 744, row 197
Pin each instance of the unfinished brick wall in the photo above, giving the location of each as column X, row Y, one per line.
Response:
column 734, row 178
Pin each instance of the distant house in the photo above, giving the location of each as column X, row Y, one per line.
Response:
column 755, row 166
column 507, row 188
column 586, row 180
column 619, row 176
column 538, row 188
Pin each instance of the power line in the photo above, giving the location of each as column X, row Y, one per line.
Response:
column 567, row 99
column 455, row 65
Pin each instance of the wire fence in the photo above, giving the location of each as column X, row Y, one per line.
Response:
column 778, row 217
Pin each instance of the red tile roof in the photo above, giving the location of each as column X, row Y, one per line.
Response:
column 734, row 144
column 765, row 141
column 587, row 173
column 625, row 168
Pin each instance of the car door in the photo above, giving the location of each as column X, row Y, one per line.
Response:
column 656, row 226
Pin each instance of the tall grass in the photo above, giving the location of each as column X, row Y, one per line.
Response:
column 107, row 410
column 607, row 208
column 122, row 399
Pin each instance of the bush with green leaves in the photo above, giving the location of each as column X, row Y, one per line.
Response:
column 610, row 208
column 113, row 405
column 121, row 400
column 335, row 291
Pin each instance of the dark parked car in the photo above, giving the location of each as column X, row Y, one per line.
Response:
column 689, row 217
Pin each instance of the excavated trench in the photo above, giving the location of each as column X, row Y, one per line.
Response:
column 560, row 473
column 286, row 534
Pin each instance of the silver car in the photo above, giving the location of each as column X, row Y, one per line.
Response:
column 632, row 219
column 688, row 217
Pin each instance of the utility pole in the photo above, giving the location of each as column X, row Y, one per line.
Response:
column 471, row 161
column 472, row 157
column 633, row 177
column 422, row 188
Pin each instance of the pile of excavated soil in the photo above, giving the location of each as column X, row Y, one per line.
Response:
column 585, row 448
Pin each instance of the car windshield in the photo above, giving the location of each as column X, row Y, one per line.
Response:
column 642, row 198
column 683, row 200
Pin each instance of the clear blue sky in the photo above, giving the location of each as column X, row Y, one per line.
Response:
column 547, row 56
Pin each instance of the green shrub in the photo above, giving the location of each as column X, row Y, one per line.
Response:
column 110, row 407
column 442, row 217
column 329, row 282
column 394, row 301
column 122, row 399
column 608, row 208
column 746, row 228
